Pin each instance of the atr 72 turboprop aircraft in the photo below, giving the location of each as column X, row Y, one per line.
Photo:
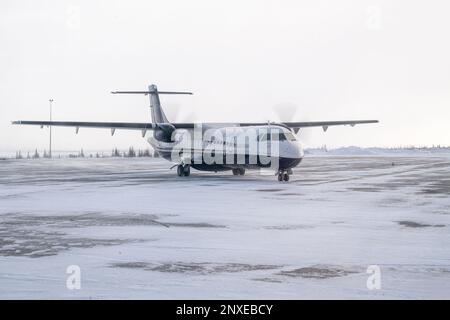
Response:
column 167, row 139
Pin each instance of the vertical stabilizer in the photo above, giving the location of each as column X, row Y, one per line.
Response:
column 158, row 115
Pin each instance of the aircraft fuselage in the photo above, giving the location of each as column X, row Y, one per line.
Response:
column 228, row 148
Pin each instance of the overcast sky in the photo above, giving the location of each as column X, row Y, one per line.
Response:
column 334, row 60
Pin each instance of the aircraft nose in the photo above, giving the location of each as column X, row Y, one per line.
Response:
column 299, row 147
column 294, row 150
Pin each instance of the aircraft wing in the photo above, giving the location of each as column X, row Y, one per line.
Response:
column 293, row 125
column 326, row 124
column 109, row 125
column 105, row 125
column 189, row 125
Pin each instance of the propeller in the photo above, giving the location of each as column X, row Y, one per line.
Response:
column 287, row 112
column 174, row 113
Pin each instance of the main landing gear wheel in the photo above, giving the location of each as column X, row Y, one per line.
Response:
column 183, row 170
column 187, row 170
column 238, row 172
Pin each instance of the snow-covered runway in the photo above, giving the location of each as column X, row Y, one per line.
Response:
column 136, row 230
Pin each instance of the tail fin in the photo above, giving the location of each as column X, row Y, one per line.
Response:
column 158, row 115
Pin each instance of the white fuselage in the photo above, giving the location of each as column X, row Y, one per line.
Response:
column 238, row 146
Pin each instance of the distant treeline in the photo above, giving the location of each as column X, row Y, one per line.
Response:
column 130, row 153
column 410, row 147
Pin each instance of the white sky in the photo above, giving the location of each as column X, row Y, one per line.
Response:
column 334, row 60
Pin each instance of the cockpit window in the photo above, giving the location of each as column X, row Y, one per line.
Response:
column 290, row 136
column 280, row 136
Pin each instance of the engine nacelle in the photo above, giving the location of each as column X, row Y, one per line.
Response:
column 163, row 131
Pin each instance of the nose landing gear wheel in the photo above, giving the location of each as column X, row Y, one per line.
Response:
column 283, row 176
column 236, row 172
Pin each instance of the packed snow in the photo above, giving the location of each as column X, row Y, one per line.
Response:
column 137, row 230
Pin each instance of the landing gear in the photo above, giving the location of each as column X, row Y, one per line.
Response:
column 238, row 172
column 187, row 170
column 183, row 170
column 284, row 175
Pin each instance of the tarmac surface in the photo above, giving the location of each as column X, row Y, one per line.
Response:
column 137, row 230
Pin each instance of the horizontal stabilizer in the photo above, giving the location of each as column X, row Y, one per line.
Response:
column 149, row 92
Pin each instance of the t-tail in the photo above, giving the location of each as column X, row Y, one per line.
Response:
column 157, row 113
column 163, row 128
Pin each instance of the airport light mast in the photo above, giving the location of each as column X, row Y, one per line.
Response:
column 50, row 143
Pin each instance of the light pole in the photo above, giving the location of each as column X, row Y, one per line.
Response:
column 50, row 146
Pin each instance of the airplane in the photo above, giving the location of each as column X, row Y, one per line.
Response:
column 265, row 145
